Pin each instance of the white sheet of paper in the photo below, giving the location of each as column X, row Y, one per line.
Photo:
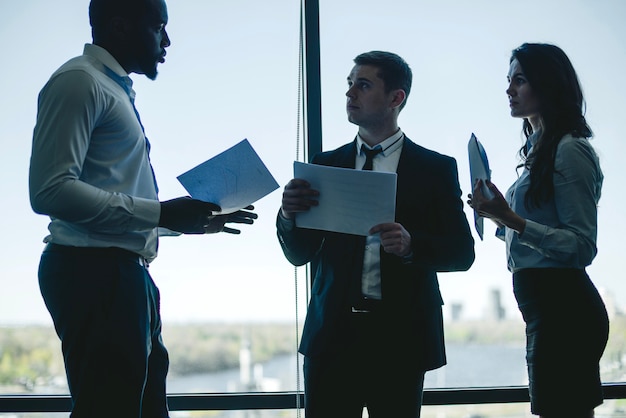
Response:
column 479, row 169
column 232, row 179
column 350, row 201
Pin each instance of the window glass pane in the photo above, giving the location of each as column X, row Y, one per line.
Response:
column 232, row 73
column 459, row 52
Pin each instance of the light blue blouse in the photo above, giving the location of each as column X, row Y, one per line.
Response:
column 563, row 231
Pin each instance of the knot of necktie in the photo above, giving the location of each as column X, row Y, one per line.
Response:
column 369, row 156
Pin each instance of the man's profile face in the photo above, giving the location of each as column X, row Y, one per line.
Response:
column 149, row 40
column 367, row 101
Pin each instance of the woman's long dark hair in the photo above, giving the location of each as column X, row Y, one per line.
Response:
column 555, row 83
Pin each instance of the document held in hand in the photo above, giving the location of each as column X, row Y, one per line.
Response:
column 479, row 169
column 350, row 201
column 232, row 179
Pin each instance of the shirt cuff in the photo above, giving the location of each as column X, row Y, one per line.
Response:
column 533, row 234
column 146, row 213
column 285, row 223
column 501, row 233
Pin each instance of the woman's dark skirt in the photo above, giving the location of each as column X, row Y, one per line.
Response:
column 566, row 332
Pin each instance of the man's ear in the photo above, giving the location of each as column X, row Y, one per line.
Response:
column 120, row 28
column 399, row 96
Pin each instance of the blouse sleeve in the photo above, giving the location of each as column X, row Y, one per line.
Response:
column 577, row 184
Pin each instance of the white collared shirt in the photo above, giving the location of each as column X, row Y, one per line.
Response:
column 89, row 167
column 386, row 161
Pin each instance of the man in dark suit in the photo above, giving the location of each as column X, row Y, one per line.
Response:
column 374, row 324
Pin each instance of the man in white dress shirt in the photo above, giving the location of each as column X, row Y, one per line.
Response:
column 90, row 172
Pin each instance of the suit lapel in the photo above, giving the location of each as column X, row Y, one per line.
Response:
column 346, row 156
column 410, row 156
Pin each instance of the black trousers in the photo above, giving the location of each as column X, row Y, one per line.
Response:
column 105, row 309
column 370, row 372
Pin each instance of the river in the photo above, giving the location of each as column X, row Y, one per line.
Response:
column 468, row 365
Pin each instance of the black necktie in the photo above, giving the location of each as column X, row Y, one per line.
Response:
column 369, row 156
column 359, row 302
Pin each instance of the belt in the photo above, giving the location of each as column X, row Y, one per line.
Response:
column 98, row 251
column 142, row 262
column 366, row 305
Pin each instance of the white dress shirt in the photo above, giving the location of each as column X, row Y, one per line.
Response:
column 386, row 161
column 89, row 168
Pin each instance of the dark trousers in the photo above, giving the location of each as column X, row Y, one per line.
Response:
column 370, row 372
column 105, row 309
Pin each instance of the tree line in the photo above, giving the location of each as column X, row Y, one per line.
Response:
column 31, row 356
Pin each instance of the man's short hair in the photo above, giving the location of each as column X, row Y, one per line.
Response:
column 102, row 11
column 392, row 69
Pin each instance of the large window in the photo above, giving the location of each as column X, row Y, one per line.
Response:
column 459, row 52
column 232, row 73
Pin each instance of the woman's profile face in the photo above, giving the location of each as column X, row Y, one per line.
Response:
column 522, row 99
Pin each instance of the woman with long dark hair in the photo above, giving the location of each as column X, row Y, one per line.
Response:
column 548, row 220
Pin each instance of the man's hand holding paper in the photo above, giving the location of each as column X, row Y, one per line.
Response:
column 298, row 197
column 222, row 190
column 394, row 238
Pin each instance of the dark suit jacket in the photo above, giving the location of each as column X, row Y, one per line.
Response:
column 429, row 206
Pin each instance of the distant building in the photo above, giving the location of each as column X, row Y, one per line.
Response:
column 456, row 311
column 251, row 377
column 245, row 364
column 494, row 310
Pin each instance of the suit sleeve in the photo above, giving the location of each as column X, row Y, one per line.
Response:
column 443, row 242
column 299, row 245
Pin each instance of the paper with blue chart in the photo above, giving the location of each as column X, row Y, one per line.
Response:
column 232, row 179
column 479, row 169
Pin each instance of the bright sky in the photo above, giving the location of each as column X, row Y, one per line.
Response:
column 231, row 73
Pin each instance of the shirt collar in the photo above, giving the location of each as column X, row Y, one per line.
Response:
column 531, row 141
column 389, row 145
column 111, row 63
column 104, row 57
column 534, row 137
